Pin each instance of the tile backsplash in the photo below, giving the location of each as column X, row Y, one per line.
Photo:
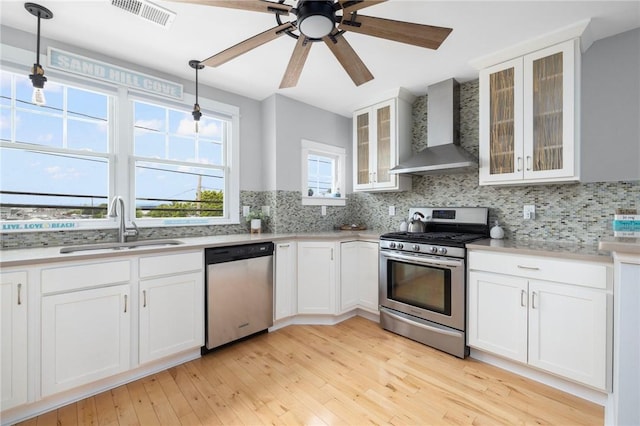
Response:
column 578, row 213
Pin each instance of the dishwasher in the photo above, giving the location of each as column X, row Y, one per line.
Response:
column 239, row 288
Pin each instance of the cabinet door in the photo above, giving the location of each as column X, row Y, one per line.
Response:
column 316, row 278
column 349, row 275
column 549, row 88
column 171, row 315
column 362, row 140
column 85, row 337
column 497, row 312
column 285, row 280
column 368, row 279
column 567, row 331
column 501, row 128
column 385, row 145
column 13, row 353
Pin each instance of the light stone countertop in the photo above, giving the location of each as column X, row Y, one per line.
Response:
column 31, row 256
column 555, row 249
column 621, row 245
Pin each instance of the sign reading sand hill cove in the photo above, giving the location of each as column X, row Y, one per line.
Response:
column 99, row 70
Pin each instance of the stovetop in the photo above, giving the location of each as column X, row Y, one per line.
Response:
column 451, row 239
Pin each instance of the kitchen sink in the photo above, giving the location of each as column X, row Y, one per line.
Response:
column 119, row 246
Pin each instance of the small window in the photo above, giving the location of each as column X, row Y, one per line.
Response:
column 323, row 172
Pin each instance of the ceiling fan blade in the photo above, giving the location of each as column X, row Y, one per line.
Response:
column 247, row 45
column 404, row 32
column 298, row 58
column 252, row 5
column 349, row 6
column 349, row 59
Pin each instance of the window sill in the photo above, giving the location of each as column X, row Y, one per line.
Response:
column 324, row 201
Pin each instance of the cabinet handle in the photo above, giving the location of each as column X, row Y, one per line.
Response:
column 523, row 298
column 331, row 254
column 519, row 164
column 531, row 268
column 283, row 245
column 528, row 162
column 125, row 303
column 144, row 298
column 375, row 177
column 533, row 300
column 19, row 293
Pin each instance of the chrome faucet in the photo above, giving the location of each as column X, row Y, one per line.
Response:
column 123, row 231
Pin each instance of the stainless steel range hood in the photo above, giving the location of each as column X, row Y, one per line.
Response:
column 443, row 154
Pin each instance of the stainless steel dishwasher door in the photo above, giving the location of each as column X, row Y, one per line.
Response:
column 239, row 299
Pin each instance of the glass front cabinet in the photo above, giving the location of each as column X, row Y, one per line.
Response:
column 529, row 126
column 381, row 139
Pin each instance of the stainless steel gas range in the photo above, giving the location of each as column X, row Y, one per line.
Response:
column 423, row 277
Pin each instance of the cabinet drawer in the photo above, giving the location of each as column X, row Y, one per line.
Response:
column 587, row 274
column 82, row 276
column 155, row 266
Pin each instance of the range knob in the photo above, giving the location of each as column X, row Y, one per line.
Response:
column 416, row 247
column 400, row 246
column 442, row 250
column 392, row 245
column 433, row 249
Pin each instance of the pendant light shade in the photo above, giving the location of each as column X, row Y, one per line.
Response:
column 37, row 72
column 196, row 65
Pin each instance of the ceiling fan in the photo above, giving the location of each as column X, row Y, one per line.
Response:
column 326, row 21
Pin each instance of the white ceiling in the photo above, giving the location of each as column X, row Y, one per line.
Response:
column 480, row 28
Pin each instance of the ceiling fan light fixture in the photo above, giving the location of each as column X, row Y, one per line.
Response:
column 316, row 19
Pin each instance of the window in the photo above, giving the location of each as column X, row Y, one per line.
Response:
column 63, row 162
column 323, row 172
column 55, row 159
column 179, row 173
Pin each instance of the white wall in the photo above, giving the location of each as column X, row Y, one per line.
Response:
column 269, row 145
column 610, row 123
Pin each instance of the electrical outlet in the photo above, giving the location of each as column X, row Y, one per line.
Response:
column 529, row 211
column 245, row 211
column 323, row 210
column 266, row 210
column 392, row 210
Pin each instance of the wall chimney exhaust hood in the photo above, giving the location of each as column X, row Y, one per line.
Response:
column 443, row 154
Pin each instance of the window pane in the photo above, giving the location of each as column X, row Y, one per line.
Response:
column 5, row 124
column 86, row 104
column 320, row 174
column 51, row 186
column 149, row 144
column 210, row 152
column 182, row 123
column 164, row 190
column 182, row 149
column 92, row 136
column 211, row 128
column 38, row 129
column 5, row 89
column 149, row 117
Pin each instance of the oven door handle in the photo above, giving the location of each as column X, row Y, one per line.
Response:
column 424, row 261
column 423, row 326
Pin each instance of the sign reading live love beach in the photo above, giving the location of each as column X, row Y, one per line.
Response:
column 92, row 68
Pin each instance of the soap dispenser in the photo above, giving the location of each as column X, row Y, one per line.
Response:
column 497, row 233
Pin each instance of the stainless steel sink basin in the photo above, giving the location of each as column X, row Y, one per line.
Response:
column 119, row 246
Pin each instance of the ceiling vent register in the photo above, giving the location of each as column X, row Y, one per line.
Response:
column 147, row 11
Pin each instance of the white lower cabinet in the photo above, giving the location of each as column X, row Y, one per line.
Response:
column 358, row 275
column 316, row 277
column 13, row 352
column 560, row 327
column 85, row 336
column 171, row 307
column 285, row 298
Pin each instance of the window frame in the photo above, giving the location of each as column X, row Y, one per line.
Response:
column 121, row 162
column 339, row 155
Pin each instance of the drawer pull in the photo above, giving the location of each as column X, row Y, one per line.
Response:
column 523, row 298
column 533, row 300
column 144, row 298
column 530, row 268
column 125, row 303
column 19, row 293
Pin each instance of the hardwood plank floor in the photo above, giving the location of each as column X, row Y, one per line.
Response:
column 351, row 373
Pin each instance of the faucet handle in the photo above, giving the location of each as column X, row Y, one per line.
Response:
column 131, row 232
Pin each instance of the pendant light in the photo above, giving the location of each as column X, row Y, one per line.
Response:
column 196, row 65
column 37, row 72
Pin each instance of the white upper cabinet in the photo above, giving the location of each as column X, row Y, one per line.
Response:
column 381, row 138
column 529, row 118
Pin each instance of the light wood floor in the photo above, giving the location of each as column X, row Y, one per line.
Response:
column 352, row 373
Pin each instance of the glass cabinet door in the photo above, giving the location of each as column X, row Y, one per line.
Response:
column 362, row 144
column 383, row 152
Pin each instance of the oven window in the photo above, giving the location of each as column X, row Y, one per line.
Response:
column 421, row 286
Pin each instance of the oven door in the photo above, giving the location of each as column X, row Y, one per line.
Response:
column 428, row 287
